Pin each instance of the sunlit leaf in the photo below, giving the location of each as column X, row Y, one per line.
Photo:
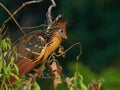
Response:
column 4, row 63
column 6, row 72
column 1, row 63
column 1, row 75
column 30, row 87
column 12, row 60
column 6, row 87
column 36, row 86
column 83, row 86
column 15, row 76
column 16, row 69
column 71, row 88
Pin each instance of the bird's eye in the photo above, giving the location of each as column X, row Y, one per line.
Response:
column 60, row 31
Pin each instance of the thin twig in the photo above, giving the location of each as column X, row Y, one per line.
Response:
column 71, row 48
column 29, row 81
column 20, row 8
column 25, row 4
column 3, row 34
column 42, row 25
column 12, row 18
column 49, row 13
column 38, row 73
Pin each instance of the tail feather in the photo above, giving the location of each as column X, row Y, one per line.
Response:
column 25, row 66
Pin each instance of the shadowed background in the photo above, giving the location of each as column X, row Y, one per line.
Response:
column 94, row 23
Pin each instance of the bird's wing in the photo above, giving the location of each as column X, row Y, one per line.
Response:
column 32, row 45
column 29, row 48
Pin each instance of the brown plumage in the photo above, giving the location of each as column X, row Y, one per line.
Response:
column 35, row 47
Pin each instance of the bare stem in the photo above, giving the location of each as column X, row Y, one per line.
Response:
column 29, row 81
column 39, row 26
column 20, row 8
column 12, row 18
column 49, row 13
column 38, row 74
column 25, row 4
column 71, row 48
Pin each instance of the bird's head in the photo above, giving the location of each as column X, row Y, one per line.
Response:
column 60, row 29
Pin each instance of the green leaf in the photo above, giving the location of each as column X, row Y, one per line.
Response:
column 7, row 72
column 71, row 88
column 5, row 53
column 83, row 86
column 6, row 87
column 9, row 46
column 36, row 86
column 12, row 60
column 8, row 41
column 4, row 45
column 4, row 63
column 80, row 76
column 72, row 79
column 16, row 69
column 1, row 63
column 30, row 87
column 15, row 76
column 1, row 75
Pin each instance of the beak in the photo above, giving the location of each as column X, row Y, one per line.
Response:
column 64, row 35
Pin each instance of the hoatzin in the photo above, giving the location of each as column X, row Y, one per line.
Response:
column 35, row 47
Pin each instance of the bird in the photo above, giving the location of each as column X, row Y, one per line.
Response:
column 35, row 47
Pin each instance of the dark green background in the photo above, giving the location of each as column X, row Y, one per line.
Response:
column 94, row 23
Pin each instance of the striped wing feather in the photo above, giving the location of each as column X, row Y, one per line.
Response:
column 31, row 45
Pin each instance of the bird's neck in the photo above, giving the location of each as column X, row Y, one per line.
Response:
column 52, row 46
column 56, row 40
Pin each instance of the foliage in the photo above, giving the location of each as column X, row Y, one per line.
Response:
column 77, row 82
column 6, row 70
column 95, row 24
column 111, row 79
column 110, row 76
column 34, row 86
column 10, row 69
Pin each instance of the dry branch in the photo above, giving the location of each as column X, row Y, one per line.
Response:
column 49, row 13
column 4, row 24
column 12, row 15
column 56, row 69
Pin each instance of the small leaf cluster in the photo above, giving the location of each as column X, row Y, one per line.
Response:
column 10, row 69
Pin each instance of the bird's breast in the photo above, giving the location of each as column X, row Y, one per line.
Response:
column 51, row 47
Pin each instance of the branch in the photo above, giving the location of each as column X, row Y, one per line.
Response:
column 12, row 18
column 20, row 8
column 25, row 4
column 63, row 52
column 49, row 13
column 33, row 77
column 39, row 26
